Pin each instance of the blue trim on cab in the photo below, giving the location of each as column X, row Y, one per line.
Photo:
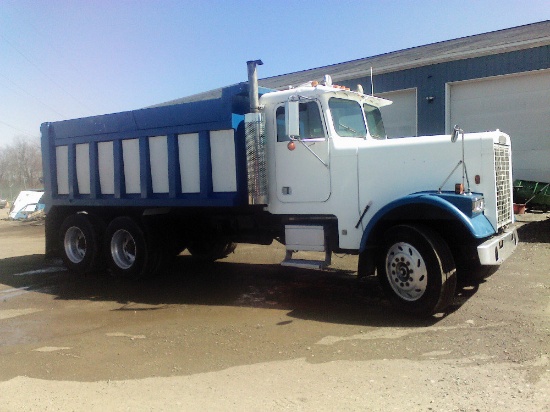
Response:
column 478, row 224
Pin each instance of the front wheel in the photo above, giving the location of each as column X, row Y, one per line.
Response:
column 417, row 270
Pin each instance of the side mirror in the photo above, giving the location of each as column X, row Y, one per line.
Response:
column 454, row 134
column 292, row 118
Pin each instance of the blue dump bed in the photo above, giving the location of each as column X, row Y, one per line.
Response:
column 189, row 154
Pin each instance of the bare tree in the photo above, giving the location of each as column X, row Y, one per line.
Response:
column 20, row 167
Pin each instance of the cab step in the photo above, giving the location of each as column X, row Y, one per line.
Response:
column 306, row 264
column 309, row 238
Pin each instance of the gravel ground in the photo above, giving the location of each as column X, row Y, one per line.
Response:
column 247, row 334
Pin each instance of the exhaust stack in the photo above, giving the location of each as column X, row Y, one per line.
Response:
column 256, row 160
column 253, row 84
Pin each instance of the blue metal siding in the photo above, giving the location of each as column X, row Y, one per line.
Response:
column 95, row 188
column 120, row 184
column 431, row 80
column 174, row 181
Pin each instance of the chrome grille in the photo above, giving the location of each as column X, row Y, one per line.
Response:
column 503, row 184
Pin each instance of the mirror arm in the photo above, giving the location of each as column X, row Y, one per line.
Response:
column 294, row 139
column 454, row 137
column 448, row 177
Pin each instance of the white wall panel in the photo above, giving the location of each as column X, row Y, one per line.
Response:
column 400, row 117
column 189, row 162
column 158, row 153
column 106, row 167
column 83, row 168
column 516, row 104
column 62, row 166
column 222, row 146
column 130, row 155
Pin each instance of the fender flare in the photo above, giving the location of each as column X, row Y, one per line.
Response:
column 477, row 225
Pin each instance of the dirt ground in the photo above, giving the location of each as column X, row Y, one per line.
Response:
column 247, row 334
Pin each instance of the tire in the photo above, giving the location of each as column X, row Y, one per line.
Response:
column 416, row 270
column 211, row 249
column 80, row 243
column 129, row 253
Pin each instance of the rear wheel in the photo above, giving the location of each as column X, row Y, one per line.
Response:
column 417, row 270
column 130, row 253
column 80, row 239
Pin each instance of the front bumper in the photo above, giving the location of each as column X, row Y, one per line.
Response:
column 498, row 248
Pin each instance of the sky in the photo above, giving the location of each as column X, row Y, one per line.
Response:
column 62, row 59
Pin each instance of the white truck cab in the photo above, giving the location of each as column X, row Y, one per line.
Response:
column 328, row 157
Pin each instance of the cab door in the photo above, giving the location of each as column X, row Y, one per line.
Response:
column 303, row 168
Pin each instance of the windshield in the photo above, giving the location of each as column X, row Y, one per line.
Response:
column 347, row 118
column 374, row 122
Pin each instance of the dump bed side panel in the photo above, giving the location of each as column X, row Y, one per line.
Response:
column 190, row 154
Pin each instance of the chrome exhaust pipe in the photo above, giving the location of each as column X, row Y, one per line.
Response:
column 253, row 84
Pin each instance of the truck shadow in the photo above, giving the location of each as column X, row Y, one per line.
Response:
column 535, row 232
column 324, row 296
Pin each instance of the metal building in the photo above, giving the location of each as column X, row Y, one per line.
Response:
column 494, row 80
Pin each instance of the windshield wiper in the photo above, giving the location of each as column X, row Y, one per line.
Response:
column 347, row 128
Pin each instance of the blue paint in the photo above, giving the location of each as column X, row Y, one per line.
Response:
column 477, row 224
column 73, row 183
column 174, row 173
column 95, row 187
column 462, row 201
column 120, row 184
column 202, row 117
column 145, row 179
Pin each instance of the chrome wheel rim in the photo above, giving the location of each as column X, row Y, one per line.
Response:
column 123, row 249
column 406, row 271
column 75, row 244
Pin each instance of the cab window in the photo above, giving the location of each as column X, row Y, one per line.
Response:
column 374, row 122
column 311, row 125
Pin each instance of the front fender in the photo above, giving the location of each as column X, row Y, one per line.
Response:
column 400, row 209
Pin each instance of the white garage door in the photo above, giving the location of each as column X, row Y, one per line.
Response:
column 516, row 104
column 400, row 116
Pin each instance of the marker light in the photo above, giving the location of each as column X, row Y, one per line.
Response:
column 478, row 205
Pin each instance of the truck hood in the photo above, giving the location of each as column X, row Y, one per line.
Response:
column 390, row 169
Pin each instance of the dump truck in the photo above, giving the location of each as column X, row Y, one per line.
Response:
column 309, row 166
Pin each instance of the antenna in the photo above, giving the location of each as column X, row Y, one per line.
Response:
column 371, row 83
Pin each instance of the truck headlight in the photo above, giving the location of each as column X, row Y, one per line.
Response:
column 478, row 205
